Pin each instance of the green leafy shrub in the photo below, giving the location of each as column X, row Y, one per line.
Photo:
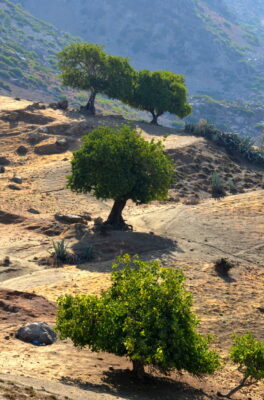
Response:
column 248, row 353
column 233, row 143
column 217, row 187
column 145, row 315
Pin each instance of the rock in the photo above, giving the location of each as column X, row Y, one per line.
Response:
column 36, row 137
column 33, row 211
column 17, row 98
column 71, row 218
column 4, row 161
column 2, row 169
column 14, row 187
column 22, row 150
column 62, row 142
column 48, row 148
column 61, row 105
column 6, row 261
column 36, row 106
column 17, row 179
column 38, row 333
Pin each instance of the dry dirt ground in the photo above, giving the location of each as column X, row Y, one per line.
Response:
column 186, row 236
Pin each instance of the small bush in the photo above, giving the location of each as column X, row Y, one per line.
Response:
column 223, row 266
column 60, row 250
column 248, row 353
column 233, row 143
column 217, row 187
column 87, row 254
column 145, row 315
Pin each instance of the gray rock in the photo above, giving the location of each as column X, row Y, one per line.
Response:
column 39, row 333
column 62, row 142
column 33, row 211
column 4, row 161
column 14, row 187
column 17, row 179
column 2, row 169
column 72, row 219
column 22, row 150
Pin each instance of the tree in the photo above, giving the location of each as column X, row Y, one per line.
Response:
column 117, row 163
column 145, row 315
column 88, row 67
column 159, row 92
column 248, row 353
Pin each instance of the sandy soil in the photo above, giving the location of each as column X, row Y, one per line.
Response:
column 190, row 237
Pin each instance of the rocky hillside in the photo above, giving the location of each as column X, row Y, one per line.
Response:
column 207, row 40
column 28, row 53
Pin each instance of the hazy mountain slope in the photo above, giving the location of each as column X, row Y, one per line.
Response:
column 202, row 39
column 28, row 50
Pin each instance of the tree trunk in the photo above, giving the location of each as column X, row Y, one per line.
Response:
column 115, row 217
column 90, row 108
column 242, row 384
column 138, row 369
column 154, row 118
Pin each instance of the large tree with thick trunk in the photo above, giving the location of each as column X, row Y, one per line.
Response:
column 159, row 92
column 117, row 163
column 145, row 315
column 88, row 67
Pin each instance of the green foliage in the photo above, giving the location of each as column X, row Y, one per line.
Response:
column 233, row 143
column 248, row 353
column 145, row 315
column 159, row 92
column 83, row 66
column 88, row 67
column 119, row 164
column 217, row 186
column 60, row 250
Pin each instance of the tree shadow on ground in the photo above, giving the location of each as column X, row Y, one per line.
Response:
column 107, row 247
column 123, row 384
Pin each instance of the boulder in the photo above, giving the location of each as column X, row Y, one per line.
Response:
column 33, row 211
column 38, row 333
column 62, row 142
column 14, row 187
column 22, row 150
column 17, row 179
column 2, row 169
column 36, row 137
column 4, row 161
column 72, row 218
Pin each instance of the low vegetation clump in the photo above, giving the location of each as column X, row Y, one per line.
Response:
column 233, row 143
column 248, row 353
column 145, row 315
column 223, row 266
column 217, row 186
column 117, row 163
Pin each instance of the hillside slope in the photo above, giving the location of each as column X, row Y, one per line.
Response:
column 202, row 39
column 28, row 53
column 187, row 235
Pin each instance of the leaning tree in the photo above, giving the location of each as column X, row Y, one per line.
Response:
column 88, row 67
column 145, row 315
column 159, row 92
column 117, row 163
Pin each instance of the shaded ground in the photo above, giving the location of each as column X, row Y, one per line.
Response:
column 186, row 236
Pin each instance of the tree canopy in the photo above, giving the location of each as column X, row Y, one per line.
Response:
column 159, row 92
column 145, row 315
column 117, row 163
column 88, row 67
